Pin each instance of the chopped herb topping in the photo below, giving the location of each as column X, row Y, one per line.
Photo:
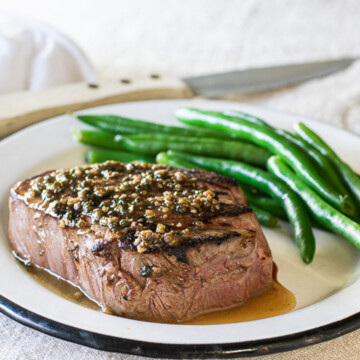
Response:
column 133, row 198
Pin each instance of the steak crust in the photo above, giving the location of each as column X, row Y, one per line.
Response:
column 221, row 261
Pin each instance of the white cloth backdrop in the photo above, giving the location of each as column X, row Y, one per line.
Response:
column 201, row 36
column 34, row 56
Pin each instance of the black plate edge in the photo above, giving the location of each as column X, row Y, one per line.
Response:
column 177, row 351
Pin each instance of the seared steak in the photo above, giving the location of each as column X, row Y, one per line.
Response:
column 148, row 242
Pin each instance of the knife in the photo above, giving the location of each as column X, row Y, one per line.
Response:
column 262, row 79
column 21, row 109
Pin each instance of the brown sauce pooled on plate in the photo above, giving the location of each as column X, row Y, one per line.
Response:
column 277, row 301
column 61, row 287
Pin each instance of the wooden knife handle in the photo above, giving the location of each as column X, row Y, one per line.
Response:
column 21, row 109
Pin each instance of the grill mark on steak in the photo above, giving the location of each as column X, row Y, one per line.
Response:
column 212, row 178
column 100, row 247
column 191, row 239
column 180, row 251
column 234, row 211
column 222, row 261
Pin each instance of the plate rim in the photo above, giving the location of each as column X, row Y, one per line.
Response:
column 165, row 350
column 178, row 351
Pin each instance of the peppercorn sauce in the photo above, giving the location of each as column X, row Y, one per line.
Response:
column 142, row 206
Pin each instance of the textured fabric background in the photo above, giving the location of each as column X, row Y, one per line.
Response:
column 200, row 36
column 34, row 56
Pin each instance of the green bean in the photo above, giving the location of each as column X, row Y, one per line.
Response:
column 167, row 159
column 321, row 161
column 265, row 137
column 348, row 175
column 97, row 138
column 151, row 144
column 273, row 206
column 98, row 156
column 264, row 217
column 247, row 117
column 324, row 213
column 253, row 191
column 122, row 125
column 258, row 178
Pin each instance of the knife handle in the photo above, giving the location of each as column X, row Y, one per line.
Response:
column 21, row 109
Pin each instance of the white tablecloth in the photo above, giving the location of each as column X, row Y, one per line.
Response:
column 201, row 36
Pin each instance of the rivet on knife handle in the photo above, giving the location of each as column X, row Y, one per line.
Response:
column 21, row 109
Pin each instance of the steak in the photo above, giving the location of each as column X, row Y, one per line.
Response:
column 145, row 241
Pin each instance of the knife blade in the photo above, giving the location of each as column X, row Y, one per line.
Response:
column 262, row 79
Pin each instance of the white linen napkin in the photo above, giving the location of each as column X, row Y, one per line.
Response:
column 34, row 56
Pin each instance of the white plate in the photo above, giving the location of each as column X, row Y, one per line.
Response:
column 325, row 290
